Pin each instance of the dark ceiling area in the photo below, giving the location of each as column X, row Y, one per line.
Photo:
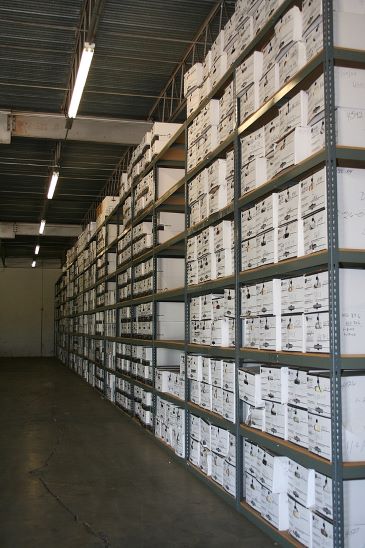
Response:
column 138, row 45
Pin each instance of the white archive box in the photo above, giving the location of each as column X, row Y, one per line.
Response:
column 252, row 146
column 273, row 471
column 293, row 148
column 253, row 492
column 169, row 224
column 217, row 468
column 248, row 223
column 317, row 338
column 266, row 248
column 249, row 72
column 253, row 175
column 290, row 240
column 300, row 522
column 322, row 532
column 272, row 134
column 229, row 406
column 248, row 253
column 249, row 101
column 353, row 496
column 166, row 179
column 268, row 297
column 217, row 400
column 250, row 452
column 351, row 189
column 269, row 84
column 248, row 301
column 254, row 416
column 274, row 383
column 348, row 30
column 194, row 367
column 205, row 434
column 206, row 370
column 292, row 295
column 170, row 273
column 313, row 194
column 274, row 508
column 216, row 174
column 205, row 460
column 301, row 484
column 229, row 375
column 297, row 388
column 259, row 16
column 289, row 28
column 270, row 333
column 314, row 41
column 311, row 13
column 231, row 455
column 219, row 440
column 269, row 51
column 289, row 205
column 251, row 333
column 319, row 436
column 315, row 232
column 206, row 395
column 249, row 382
column 223, row 235
column 276, row 419
column 298, row 426
column 229, row 478
column 217, row 372
column 267, row 213
column 193, row 78
column 292, row 333
column 291, row 62
column 293, row 113
column 170, row 320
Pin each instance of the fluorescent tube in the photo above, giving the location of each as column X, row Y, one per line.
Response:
column 33, row 264
column 52, row 185
column 36, row 250
column 81, row 77
column 41, row 228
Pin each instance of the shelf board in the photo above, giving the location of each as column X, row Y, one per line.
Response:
column 289, row 266
column 351, row 470
column 218, row 420
column 214, row 351
column 283, row 538
column 298, row 359
column 212, row 285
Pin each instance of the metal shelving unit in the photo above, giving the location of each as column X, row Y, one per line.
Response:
column 331, row 259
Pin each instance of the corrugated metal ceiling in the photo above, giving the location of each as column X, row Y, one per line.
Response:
column 138, row 45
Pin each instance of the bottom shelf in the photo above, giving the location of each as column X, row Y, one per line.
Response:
column 282, row 537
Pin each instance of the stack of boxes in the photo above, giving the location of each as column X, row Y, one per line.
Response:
column 294, row 405
column 135, row 361
column 170, row 425
column 203, row 134
column 210, row 254
column 213, row 451
column 212, row 319
column 294, row 498
column 170, row 372
column 124, row 394
column 212, row 384
column 143, row 406
column 292, row 314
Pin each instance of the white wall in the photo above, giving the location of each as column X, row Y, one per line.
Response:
column 27, row 311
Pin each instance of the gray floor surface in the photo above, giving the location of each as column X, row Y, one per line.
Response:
column 76, row 472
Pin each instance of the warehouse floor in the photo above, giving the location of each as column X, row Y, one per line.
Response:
column 76, row 472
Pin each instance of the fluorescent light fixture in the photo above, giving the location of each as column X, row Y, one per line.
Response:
column 41, row 228
column 52, row 185
column 81, row 77
column 36, row 250
column 33, row 264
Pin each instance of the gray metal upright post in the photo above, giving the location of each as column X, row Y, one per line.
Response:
column 333, row 272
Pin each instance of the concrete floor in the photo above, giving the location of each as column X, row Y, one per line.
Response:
column 76, row 472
